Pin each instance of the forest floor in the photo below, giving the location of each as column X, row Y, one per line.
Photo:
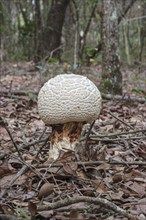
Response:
column 108, row 174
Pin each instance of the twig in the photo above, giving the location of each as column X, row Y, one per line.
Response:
column 18, row 174
column 124, row 98
column 47, row 139
column 119, row 133
column 42, row 133
column 19, row 93
column 53, row 51
column 25, row 146
column 83, row 39
column 4, row 124
column 94, row 138
column 90, row 163
column 97, row 201
column 21, row 172
column 10, row 89
column 88, row 134
column 32, row 168
column 120, row 120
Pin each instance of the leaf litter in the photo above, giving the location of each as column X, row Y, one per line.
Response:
column 112, row 167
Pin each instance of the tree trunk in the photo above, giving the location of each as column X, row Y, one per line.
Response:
column 53, row 30
column 69, row 35
column 111, row 74
column 37, row 35
column 127, row 52
column 142, row 32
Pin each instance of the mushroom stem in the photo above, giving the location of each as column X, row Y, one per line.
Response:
column 64, row 137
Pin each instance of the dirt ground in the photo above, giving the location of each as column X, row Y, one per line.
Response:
column 110, row 165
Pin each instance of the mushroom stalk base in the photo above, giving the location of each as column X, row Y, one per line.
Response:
column 64, row 138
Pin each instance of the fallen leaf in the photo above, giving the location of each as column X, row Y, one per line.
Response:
column 75, row 215
column 141, row 206
column 46, row 190
column 32, row 208
column 118, row 177
column 4, row 171
column 70, row 168
column 99, row 186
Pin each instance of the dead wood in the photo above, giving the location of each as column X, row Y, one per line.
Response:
column 97, row 201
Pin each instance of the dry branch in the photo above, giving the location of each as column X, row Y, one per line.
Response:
column 94, row 138
column 18, row 174
column 97, row 201
column 120, row 120
column 91, row 163
column 124, row 98
column 119, row 133
column 4, row 124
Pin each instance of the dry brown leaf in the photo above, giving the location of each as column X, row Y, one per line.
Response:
column 81, row 174
column 70, row 168
column 99, row 186
column 46, row 190
column 136, row 187
column 4, row 171
column 6, row 209
column 103, row 166
column 64, row 156
column 118, row 177
column 116, row 196
column 76, row 215
column 32, row 208
column 141, row 206
column 6, row 179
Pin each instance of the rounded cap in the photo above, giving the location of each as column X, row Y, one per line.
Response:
column 69, row 98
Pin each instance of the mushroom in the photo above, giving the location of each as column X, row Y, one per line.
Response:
column 66, row 102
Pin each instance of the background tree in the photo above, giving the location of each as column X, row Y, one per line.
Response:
column 142, row 32
column 69, row 34
column 111, row 74
column 53, row 29
column 38, row 29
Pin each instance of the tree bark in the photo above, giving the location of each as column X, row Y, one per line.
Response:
column 120, row 17
column 126, row 42
column 69, row 35
column 111, row 74
column 142, row 33
column 53, row 30
column 38, row 25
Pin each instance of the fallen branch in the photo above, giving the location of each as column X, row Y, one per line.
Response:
column 97, row 201
column 120, row 120
column 17, row 93
column 118, row 133
column 124, row 98
column 18, row 174
column 87, row 136
column 95, row 138
column 23, row 170
column 91, row 163
column 4, row 125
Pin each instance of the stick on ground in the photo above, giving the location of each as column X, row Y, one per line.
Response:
column 97, row 201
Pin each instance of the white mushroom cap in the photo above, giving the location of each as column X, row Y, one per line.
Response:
column 69, row 98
